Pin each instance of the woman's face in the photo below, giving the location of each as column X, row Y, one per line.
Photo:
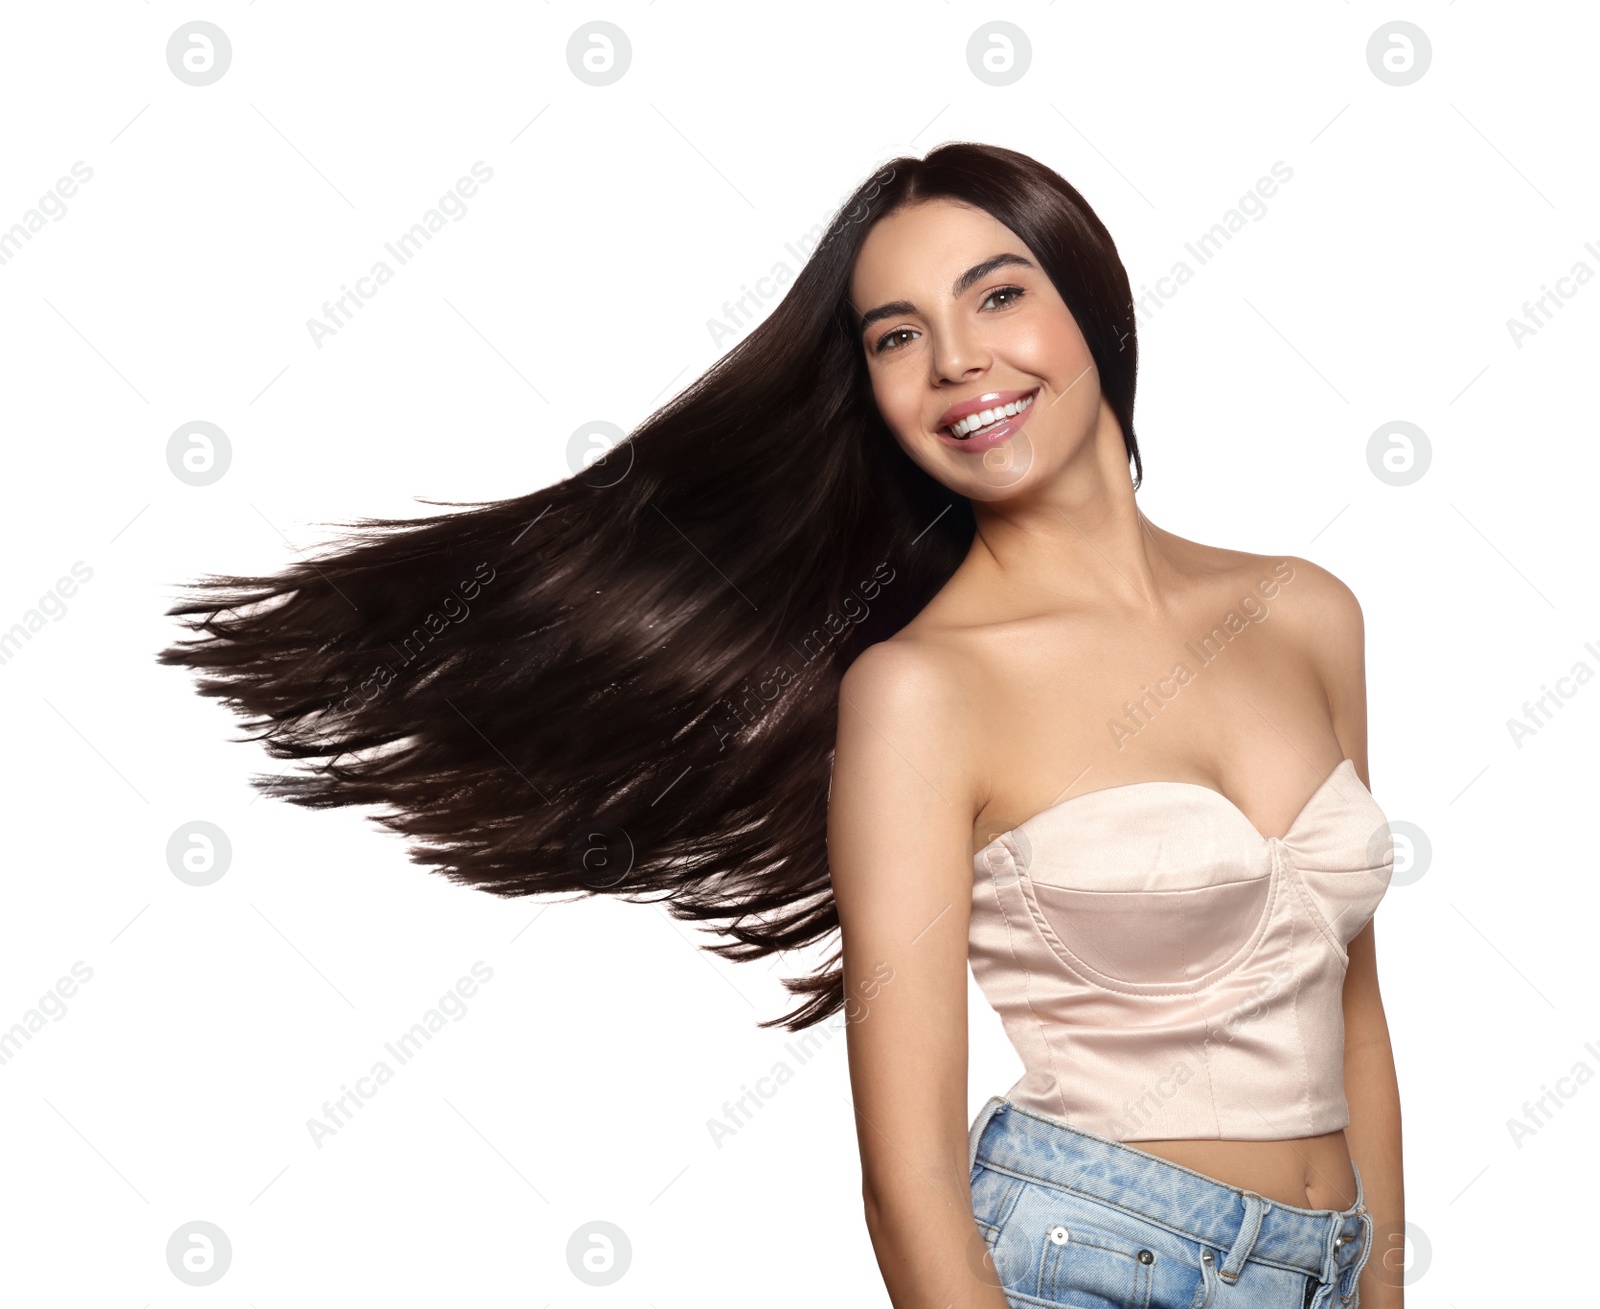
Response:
column 962, row 316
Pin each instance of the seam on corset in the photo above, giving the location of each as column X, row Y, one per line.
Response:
column 1299, row 1024
column 1171, row 890
column 1042, row 1029
column 1325, row 928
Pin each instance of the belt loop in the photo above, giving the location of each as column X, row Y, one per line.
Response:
column 991, row 1106
column 1255, row 1209
column 1367, row 1232
column 1338, row 1238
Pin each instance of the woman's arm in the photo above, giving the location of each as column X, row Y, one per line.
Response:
column 900, row 816
column 1372, row 1090
column 1373, row 1093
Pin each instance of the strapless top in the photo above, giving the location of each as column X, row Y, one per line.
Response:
column 1166, row 971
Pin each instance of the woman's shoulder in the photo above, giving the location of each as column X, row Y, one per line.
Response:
column 916, row 695
column 920, row 662
column 952, row 645
column 1290, row 584
column 1308, row 615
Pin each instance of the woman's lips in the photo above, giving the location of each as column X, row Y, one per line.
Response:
column 992, row 436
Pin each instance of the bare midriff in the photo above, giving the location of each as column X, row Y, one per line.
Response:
column 1309, row 1172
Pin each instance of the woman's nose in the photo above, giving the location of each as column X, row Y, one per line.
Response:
column 957, row 356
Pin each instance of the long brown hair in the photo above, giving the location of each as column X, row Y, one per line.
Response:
column 626, row 683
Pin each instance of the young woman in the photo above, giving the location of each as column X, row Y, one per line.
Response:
column 866, row 632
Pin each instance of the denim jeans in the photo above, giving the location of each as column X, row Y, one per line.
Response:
column 1074, row 1219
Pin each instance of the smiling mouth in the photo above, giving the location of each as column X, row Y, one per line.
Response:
column 989, row 419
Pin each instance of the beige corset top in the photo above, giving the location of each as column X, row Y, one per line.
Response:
column 1165, row 971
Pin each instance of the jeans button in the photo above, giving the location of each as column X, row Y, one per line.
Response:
column 1059, row 1234
column 1145, row 1257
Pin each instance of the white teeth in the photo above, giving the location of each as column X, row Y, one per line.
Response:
column 976, row 422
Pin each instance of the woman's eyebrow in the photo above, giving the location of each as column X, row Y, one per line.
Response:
column 974, row 274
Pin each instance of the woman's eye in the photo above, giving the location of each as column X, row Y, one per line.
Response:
column 1017, row 291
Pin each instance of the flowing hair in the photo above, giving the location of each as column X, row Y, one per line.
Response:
column 627, row 683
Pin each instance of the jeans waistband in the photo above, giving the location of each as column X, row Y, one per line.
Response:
column 1320, row 1242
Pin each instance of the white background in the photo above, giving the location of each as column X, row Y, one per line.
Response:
column 581, row 285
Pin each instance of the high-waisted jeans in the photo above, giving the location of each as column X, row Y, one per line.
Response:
column 1075, row 1219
